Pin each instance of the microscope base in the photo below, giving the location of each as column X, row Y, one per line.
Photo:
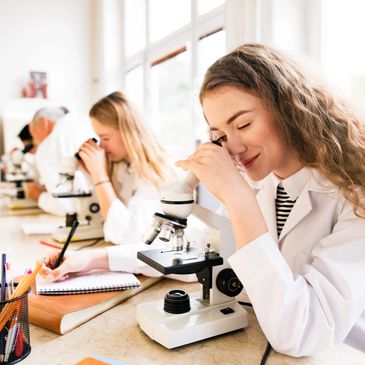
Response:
column 201, row 322
column 83, row 233
column 22, row 204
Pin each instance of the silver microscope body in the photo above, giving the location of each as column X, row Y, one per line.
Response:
column 180, row 319
column 74, row 184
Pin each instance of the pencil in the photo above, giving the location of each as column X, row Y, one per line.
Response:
column 64, row 248
column 49, row 244
column 21, row 289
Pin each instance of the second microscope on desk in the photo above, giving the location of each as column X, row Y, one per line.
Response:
column 181, row 318
column 74, row 184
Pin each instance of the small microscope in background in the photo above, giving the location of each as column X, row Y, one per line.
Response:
column 75, row 184
column 15, row 171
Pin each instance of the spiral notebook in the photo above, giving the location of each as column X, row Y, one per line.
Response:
column 90, row 283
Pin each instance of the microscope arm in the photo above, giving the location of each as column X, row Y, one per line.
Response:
column 226, row 244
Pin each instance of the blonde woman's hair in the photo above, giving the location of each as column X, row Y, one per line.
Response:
column 323, row 131
column 142, row 148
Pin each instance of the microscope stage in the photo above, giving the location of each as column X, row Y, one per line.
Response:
column 201, row 322
column 179, row 262
column 84, row 232
column 72, row 194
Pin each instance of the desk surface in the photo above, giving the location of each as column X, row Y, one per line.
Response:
column 115, row 333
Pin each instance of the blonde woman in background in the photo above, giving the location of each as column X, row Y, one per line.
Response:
column 127, row 167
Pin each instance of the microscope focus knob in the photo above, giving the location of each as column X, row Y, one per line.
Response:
column 94, row 208
column 228, row 283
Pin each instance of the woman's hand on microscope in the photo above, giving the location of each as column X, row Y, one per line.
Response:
column 94, row 159
column 216, row 169
column 73, row 263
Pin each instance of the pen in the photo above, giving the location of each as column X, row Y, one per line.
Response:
column 12, row 333
column 68, row 240
column 3, row 277
column 2, row 299
column 10, row 280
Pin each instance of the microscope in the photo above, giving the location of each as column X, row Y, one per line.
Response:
column 16, row 170
column 180, row 318
column 74, row 184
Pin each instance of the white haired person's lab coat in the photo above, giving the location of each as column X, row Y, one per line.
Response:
column 307, row 286
column 66, row 137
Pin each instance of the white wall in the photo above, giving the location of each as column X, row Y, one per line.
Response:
column 52, row 36
column 107, row 47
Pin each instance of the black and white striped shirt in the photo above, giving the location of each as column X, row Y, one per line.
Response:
column 283, row 207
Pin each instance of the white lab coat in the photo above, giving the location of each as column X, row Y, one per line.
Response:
column 129, row 216
column 307, row 287
column 66, row 137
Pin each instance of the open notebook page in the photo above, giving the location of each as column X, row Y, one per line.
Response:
column 89, row 283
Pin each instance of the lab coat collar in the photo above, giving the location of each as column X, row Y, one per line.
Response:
column 294, row 184
column 298, row 186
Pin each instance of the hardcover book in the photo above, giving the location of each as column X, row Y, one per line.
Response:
column 62, row 313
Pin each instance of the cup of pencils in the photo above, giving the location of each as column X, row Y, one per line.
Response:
column 14, row 322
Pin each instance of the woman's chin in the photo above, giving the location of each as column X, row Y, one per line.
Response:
column 256, row 177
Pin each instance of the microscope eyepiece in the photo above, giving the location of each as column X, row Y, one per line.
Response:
column 77, row 155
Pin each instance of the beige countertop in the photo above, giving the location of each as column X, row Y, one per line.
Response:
column 115, row 334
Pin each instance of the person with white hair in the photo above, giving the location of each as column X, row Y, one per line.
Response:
column 57, row 134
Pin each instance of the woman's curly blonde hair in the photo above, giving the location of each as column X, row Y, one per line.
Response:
column 323, row 132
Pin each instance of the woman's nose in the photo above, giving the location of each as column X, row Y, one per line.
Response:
column 235, row 146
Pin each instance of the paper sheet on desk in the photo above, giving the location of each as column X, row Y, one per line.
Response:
column 40, row 228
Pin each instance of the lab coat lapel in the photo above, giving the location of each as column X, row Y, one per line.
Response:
column 266, row 200
column 301, row 208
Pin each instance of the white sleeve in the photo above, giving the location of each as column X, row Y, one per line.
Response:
column 303, row 313
column 124, row 258
column 126, row 224
column 64, row 140
column 55, row 206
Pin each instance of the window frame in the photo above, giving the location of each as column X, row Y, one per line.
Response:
column 183, row 39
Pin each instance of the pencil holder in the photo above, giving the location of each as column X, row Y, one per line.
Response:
column 14, row 330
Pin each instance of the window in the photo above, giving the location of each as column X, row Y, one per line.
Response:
column 171, row 99
column 134, row 87
column 165, row 17
column 210, row 48
column 163, row 76
column 135, row 26
column 204, row 6
column 343, row 51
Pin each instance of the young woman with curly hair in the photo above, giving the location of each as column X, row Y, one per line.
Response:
column 301, row 239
